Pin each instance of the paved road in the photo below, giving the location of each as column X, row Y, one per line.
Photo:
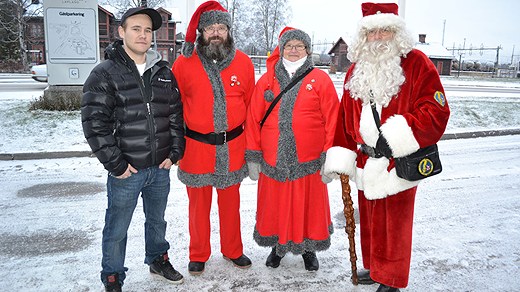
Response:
column 19, row 82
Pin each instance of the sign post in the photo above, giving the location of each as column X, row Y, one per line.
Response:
column 71, row 40
column 71, row 46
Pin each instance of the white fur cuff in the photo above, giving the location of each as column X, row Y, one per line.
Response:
column 340, row 160
column 399, row 136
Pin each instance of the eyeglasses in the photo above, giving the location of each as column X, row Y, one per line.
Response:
column 298, row 48
column 219, row 29
column 382, row 31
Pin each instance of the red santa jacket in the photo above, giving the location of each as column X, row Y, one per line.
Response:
column 295, row 137
column 215, row 97
column 415, row 118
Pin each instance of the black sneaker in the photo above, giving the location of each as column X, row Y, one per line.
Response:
column 196, row 268
column 242, row 261
column 161, row 266
column 311, row 261
column 273, row 260
column 112, row 284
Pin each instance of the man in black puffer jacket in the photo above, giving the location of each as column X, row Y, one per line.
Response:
column 132, row 118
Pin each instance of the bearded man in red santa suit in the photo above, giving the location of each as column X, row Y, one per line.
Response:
column 216, row 82
column 406, row 90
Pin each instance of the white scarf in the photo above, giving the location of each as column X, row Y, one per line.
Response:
column 291, row 67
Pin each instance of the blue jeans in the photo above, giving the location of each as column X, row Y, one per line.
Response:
column 154, row 185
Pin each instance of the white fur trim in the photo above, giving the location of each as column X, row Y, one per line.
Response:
column 399, row 136
column 378, row 183
column 367, row 126
column 381, row 20
column 340, row 160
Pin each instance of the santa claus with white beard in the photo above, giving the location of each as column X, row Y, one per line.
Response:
column 405, row 88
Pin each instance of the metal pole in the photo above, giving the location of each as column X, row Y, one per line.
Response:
column 460, row 64
column 496, row 62
column 443, row 31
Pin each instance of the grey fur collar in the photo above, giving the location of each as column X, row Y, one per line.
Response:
column 287, row 165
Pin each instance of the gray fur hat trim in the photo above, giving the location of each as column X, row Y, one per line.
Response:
column 214, row 16
column 295, row 34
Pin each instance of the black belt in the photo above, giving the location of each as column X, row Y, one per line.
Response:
column 370, row 151
column 215, row 138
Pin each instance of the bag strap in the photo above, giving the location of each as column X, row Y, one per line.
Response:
column 275, row 101
column 376, row 115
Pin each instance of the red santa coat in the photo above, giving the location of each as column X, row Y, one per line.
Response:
column 215, row 98
column 313, row 120
column 415, row 118
column 293, row 209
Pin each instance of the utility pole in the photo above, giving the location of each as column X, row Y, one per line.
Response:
column 496, row 62
column 460, row 56
column 443, row 31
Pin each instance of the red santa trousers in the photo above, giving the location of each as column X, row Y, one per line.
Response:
column 386, row 236
column 200, row 226
column 293, row 210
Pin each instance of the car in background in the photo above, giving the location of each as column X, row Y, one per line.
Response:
column 39, row 72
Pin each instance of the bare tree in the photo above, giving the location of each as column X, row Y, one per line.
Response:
column 123, row 5
column 271, row 15
column 13, row 22
column 256, row 23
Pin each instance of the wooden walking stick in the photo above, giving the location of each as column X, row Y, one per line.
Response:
column 350, row 227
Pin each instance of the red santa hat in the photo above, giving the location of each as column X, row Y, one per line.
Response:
column 377, row 15
column 208, row 13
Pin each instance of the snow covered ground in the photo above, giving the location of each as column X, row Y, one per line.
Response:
column 466, row 232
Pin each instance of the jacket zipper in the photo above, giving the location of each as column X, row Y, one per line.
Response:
column 146, row 99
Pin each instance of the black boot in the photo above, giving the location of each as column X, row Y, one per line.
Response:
column 311, row 261
column 196, row 268
column 384, row 288
column 242, row 261
column 161, row 266
column 273, row 260
column 364, row 277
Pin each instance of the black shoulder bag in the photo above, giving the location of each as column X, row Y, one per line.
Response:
column 277, row 99
column 423, row 163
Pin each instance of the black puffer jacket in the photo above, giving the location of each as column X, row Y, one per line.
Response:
column 129, row 119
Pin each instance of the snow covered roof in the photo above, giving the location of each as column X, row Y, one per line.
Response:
column 434, row 50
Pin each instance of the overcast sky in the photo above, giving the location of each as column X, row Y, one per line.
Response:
column 487, row 23
column 480, row 22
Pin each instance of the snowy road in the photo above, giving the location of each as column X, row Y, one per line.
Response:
column 466, row 233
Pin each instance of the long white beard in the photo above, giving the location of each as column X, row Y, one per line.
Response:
column 378, row 75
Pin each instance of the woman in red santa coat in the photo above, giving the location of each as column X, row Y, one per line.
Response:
column 406, row 89
column 288, row 151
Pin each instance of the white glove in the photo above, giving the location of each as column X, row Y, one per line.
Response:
column 326, row 178
column 254, row 170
